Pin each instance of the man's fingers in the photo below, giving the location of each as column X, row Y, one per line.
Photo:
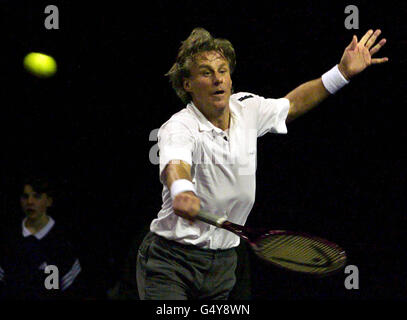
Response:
column 186, row 205
column 377, row 47
column 354, row 43
column 366, row 37
column 379, row 60
column 373, row 38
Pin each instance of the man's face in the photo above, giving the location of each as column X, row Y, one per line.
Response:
column 210, row 84
column 34, row 205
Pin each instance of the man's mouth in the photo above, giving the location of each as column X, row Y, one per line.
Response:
column 219, row 92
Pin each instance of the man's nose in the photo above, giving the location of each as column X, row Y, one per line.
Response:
column 217, row 78
column 30, row 200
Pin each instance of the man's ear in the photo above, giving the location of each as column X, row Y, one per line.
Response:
column 187, row 85
column 50, row 201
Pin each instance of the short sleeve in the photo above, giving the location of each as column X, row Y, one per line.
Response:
column 66, row 260
column 272, row 115
column 1, row 274
column 175, row 142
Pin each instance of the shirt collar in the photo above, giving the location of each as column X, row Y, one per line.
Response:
column 40, row 234
column 203, row 123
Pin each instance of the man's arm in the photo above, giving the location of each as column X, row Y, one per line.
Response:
column 175, row 170
column 356, row 58
column 185, row 204
column 306, row 97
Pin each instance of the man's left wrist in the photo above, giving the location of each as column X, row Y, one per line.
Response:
column 333, row 80
column 343, row 72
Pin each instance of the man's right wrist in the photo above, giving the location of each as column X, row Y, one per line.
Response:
column 181, row 185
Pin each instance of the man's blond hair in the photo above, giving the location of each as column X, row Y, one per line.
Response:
column 198, row 41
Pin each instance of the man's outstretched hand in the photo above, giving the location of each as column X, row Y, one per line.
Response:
column 358, row 55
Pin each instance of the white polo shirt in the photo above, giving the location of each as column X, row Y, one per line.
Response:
column 223, row 165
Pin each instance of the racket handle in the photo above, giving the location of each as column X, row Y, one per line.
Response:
column 210, row 218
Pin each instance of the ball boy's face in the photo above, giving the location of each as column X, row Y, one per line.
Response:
column 210, row 83
column 34, row 204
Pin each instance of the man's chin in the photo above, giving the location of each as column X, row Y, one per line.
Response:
column 221, row 104
column 31, row 214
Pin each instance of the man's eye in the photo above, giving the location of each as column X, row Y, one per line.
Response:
column 37, row 196
column 24, row 196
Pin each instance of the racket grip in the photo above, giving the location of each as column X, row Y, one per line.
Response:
column 210, row 218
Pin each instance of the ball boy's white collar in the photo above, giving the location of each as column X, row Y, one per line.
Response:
column 40, row 234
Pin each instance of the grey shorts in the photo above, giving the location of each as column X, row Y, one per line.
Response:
column 168, row 270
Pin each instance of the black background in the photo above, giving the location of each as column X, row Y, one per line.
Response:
column 339, row 173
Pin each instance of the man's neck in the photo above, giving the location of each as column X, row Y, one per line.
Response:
column 221, row 120
column 35, row 225
column 222, row 123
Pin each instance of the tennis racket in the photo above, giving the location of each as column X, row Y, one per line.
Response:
column 294, row 251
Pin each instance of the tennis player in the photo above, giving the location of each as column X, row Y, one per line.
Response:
column 208, row 161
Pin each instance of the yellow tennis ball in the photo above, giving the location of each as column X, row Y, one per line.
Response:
column 40, row 65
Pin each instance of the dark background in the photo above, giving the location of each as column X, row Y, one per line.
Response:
column 339, row 173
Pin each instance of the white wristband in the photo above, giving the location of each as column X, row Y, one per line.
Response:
column 333, row 80
column 181, row 185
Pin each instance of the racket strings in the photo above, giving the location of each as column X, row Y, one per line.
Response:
column 301, row 253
